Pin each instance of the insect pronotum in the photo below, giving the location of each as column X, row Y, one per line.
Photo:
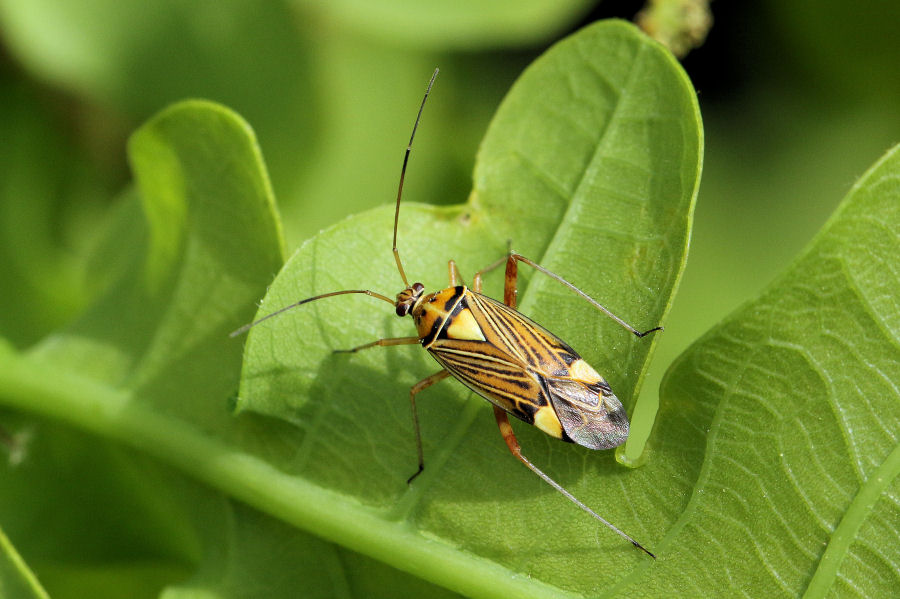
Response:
column 503, row 356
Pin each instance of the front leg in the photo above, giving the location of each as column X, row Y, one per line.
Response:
column 420, row 386
column 380, row 343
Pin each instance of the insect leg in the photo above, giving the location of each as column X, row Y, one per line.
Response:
column 511, row 268
column 513, row 444
column 510, row 282
column 421, row 385
column 380, row 343
column 476, row 282
column 455, row 277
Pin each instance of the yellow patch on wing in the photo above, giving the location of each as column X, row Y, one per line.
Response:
column 582, row 371
column 464, row 328
column 546, row 420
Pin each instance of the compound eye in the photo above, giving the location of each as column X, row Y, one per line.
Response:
column 402, row 309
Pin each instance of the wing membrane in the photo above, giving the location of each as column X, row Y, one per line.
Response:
column 596, row 424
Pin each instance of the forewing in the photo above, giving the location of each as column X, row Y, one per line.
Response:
column 494, row 374
column 535, row 347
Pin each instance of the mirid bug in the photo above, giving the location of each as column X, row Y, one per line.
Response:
column 503, row 356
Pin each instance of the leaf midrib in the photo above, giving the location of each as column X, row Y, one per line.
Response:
column 845, row 534
column 119, row 415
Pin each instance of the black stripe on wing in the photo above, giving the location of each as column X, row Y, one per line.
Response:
column 523, row 338
column 489, row 373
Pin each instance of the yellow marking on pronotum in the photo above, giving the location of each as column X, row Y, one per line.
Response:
column 520, row 367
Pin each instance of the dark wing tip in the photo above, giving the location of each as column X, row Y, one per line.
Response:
column 596, row 421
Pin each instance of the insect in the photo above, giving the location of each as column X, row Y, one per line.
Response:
column 517, row 365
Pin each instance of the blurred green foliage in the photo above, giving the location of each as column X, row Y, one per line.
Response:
column 798, row 100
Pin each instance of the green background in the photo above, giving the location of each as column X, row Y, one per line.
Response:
column 798, row 102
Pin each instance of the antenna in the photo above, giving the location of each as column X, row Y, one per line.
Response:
column 249, row 326
column 403, row 174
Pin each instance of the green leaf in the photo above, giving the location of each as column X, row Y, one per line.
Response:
column 210, row 235
column 305, row 103
column 113, row 523
column 158, row 337
column 151, row 365
column 131, row 527
column 782, row 423
column 599, row 143
column 248, row 554
column 16, row 580
column 590, row 167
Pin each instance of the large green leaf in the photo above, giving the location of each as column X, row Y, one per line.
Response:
column 132, row 527
column 208, row 235
column 95, row 519
column 151, row 365
column 590, row 167
column 787, row 417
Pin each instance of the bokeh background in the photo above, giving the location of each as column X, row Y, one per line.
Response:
column 798, row 99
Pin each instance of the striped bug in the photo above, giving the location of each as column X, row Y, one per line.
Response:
column 520, row 367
